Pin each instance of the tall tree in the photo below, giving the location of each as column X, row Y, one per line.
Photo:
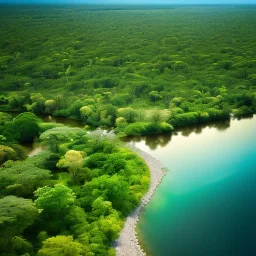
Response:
column 16, row 214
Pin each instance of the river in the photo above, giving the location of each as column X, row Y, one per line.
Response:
column 206, row 204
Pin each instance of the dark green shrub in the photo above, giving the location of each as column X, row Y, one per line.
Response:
column 96, row 160
column 23, row 128
column 216, row 114
column 244, row 110
column 184, row 119
column 147, row 128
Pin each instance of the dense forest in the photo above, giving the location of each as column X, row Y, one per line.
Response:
column 71, row 199
column 137, row 70
column 113, row 68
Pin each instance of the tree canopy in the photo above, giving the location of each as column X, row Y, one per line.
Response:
column 175, row 60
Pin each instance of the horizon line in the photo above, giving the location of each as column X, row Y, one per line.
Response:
column 125, row 4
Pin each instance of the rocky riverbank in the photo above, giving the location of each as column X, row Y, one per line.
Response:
column 127, row 244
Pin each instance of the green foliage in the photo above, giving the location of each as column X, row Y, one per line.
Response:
column 215, row 114
column 47, row 126
column 55, row 136
column 252, row 79
column 164, row 63
column 177, row 67
column 157, row 116
column 2, row 139
column 121, row 122
column 50, row 106
column 184, row 119
column 114, row 163
column 105, row 115
column 4, row 117
column 37, row 103
column 242, row 111
column 55, row 201
column 111, row 188
column 61, row 245
column 96, row 160
column 121, row 99
column 16, row 214
column 104, row 183
column 7, row 153
column 18, row 101
column 85, row 112
column 105, row 83
column 21, row 245
column 73, row 161
column 23, row 128
column 155, row 96
column 46, row 160
column 22, row 178
column 198, row 117
column 146, row 128
column 130, row 115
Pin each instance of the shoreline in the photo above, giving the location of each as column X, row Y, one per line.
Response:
column 128, row 244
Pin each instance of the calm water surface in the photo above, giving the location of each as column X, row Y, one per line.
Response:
column 206, row 205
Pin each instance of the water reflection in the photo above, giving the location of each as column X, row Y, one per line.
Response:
column 220, row 126
column 155, row 141
column 152, row 141
column 160, row 140
column 250, row 116
column 205, row 204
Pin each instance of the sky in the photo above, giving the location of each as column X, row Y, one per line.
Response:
column 130, row 1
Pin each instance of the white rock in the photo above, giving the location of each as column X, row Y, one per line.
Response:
column 128, row 243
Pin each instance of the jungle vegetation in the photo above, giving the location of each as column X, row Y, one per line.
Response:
column 139, row 71
column 73, row 197
column 115, row 67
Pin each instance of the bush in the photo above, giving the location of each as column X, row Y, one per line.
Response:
column 61, row 113
column 61, row 245
column 216, row 114
column 85, row 112
column 184, row 119
column 4, row 117
column 96, row 160
column 129, row 114
column 47, row 126
column 56, row 137
column 242, row 111
column 6, row 153
column 23, row 128
column 147, row 128
column 155, row 96
column 50, row 106
column 121, row 99
column 199, row 117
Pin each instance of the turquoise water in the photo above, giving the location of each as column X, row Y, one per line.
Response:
column 206, row 205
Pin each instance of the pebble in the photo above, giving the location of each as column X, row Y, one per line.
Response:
column 128, row 244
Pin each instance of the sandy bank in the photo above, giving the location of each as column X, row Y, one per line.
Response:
column 127, row 244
